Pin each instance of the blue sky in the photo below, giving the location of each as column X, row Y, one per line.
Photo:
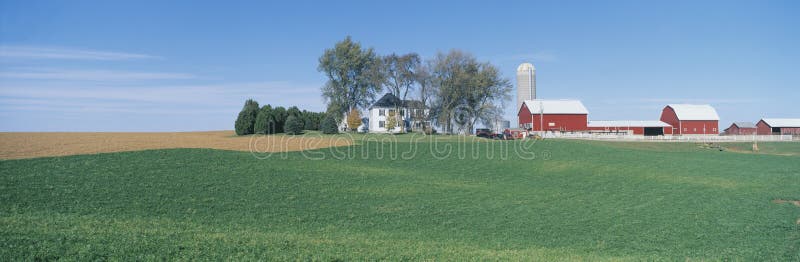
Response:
column 189, row 65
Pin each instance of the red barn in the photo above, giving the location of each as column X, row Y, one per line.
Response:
column 691, row 119
column 778, row 126
column 741, row 128
column 647, row 128
column 553, row 115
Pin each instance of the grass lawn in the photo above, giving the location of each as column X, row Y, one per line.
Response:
column 577, row 200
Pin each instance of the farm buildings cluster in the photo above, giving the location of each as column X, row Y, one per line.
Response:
column 541, row 115
column 571, row 116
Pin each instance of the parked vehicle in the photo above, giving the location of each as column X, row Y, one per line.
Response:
column 484, row 132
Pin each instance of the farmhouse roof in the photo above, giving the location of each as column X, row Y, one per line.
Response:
column 390, row 100
column 626, row 123
column 414, row 104
column 694, row 112
column 744, row 124
column 782, row 122
column 541, row 106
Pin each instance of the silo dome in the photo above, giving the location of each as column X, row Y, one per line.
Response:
column 525, row 67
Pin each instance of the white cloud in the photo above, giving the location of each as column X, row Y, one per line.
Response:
column 31, row 52
column 156, row 99
column 91, row 75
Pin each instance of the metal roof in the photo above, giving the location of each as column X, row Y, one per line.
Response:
column 782, row 122
column 744, row 124
column 626, row 123
column 694, row 112
column 541, row 106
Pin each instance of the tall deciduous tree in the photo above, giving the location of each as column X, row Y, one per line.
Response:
column 279, row 115
column 246, row 120
column 466, row 91
column 401, row 73
column 265, row 123
column 354, row 76
column 426, row 92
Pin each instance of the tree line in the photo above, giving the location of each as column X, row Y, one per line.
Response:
column 458, row 90
column 266, row 119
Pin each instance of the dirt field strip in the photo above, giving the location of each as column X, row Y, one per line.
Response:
column 18, row 145
column 781, row 201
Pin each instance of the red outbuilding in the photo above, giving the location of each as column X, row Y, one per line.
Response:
column 779, row 126
column 553, row 115
column 647, row 128
column 691, row 119
column 741, row 128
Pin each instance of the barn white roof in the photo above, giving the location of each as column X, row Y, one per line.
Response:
column 782, row 122
column 694, row 112
column 626, row 123
column 541, row 106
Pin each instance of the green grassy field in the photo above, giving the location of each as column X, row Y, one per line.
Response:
column 577, row 200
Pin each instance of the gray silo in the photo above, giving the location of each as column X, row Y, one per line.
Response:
column 526, row 83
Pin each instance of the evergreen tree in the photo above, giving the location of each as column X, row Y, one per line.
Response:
column 329, row 126
column 293, row 126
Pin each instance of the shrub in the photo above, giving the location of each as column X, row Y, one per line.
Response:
column 293, row 126
column 429, row 130
column 329, row 126
column 246, row 120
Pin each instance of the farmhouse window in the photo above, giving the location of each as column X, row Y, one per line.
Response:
column 381, row 112
column 381, row 124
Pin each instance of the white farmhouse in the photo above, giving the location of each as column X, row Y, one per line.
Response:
column 411, row 115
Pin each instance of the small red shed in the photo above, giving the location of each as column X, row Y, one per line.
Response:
column 553, row 115
column 778, row 126
column 691, row 119
column 741, row 128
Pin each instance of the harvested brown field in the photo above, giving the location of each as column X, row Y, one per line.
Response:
column 17, row 145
